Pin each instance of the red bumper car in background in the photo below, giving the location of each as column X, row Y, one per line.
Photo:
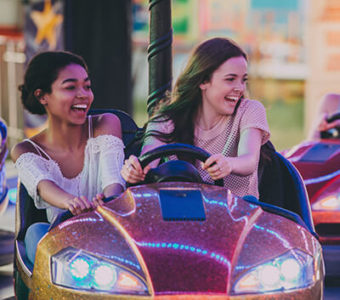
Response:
column 318, row 162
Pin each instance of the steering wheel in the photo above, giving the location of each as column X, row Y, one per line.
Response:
column 333, row 132
column 178, row 170
column 62, row 217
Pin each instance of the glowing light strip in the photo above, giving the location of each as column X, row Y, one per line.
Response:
column 182, row 247
column 122, row 260
column 82, row 220
column 321, row 178
column 284, row 241
column 214, row 202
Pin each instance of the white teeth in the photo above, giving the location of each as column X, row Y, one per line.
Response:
column 80, row 106
column 231, row 98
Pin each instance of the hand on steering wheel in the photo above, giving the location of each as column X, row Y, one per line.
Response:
column 176, row 149
column 218, row 166
column 132, row 171
column 330, row 126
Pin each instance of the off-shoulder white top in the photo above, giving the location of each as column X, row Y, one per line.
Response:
column 103, row 160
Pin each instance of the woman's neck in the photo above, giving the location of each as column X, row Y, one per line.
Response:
column 207, row 120
column 65, row 136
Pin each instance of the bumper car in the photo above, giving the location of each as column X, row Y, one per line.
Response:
column 318, row 162
column 176, row 237
column 6, row 237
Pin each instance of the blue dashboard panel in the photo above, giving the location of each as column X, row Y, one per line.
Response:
column 182, row 205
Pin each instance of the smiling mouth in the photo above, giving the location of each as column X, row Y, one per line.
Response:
column 231, row 98
column 79, row 107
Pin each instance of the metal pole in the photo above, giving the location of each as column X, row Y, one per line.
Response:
column 11, row 57
column 159, row 52
column 12, row 99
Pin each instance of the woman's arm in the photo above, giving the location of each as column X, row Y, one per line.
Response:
column 41, row 185
column 132, row 171
column 57, row 197
column 248, row 152
column 111, row 154
column 113, row 189
column 219, row 166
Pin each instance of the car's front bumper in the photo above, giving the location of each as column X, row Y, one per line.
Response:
column 313, row 293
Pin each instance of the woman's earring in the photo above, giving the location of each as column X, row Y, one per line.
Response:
column 37, row 94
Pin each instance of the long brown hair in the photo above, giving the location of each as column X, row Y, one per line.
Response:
column 181, row 106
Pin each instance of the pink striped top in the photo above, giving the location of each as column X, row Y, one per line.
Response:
column 224, row 138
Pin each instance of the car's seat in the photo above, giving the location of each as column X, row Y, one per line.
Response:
column 280, row 184
column 28, row 214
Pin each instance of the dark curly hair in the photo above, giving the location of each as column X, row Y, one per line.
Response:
column 41, row 72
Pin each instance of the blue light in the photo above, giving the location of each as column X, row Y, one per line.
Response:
column 289, row 5
column 282, row 239
column 214, row 202
column 125, row 261
column 180, row 247
column 12, row 195
column 79, row 268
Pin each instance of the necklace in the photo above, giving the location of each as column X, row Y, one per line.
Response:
column 214, row 124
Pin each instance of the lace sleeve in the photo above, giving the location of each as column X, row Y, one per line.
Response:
column 32, row 169
column 111, row 159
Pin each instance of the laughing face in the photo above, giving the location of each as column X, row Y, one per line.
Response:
column 71, row 95
column 225, row 88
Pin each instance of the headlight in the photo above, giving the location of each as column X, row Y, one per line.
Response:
column 331, row 202
column 292, row 270
column 77, row 269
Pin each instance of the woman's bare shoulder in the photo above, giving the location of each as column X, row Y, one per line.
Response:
column 26, row 146
column 107, row 123
column 21, row 148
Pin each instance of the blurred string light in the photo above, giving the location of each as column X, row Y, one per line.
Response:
column 12, row 195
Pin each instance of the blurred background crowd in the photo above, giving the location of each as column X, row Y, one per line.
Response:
column 293, row 49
